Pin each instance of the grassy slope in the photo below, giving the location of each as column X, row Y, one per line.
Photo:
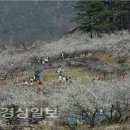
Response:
column 49, row 76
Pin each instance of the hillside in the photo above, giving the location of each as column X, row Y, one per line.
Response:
column 42, row 20
column 61, row 72
column 106, row 58
column 114, row 47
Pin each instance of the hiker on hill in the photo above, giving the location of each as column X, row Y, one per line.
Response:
column 38, row 60
column 60, row 70
column 46, row 60
column 97, row 77
column 31, row 81
column 37, row 73
column 43, row 62
column 122, row 77
column 25, row 83
column 64, row 79
column 101, row 111
column 60, row 79
column 62, row 56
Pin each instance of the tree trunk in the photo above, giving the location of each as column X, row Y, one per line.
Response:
column 91, row 32
column 109, row 118
column 91, row 121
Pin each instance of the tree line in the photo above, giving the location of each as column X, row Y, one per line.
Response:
column 103, row 16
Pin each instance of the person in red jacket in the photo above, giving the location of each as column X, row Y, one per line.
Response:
column 97, row 77
column 122, row 77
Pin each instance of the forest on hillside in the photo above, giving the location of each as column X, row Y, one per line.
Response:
column 103, row 16
column 44, row 20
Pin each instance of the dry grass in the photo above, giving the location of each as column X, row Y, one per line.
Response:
column 51, row 76
column 107, row 58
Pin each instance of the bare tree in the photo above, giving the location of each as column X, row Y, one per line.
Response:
column 25, row 42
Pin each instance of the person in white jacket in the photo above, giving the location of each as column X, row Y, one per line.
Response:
column 60, row 78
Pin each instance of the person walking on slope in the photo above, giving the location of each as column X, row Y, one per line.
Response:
column 122, row 77
column 62, row 56
column 64, row 79
column 60, row 79
column 60, row 70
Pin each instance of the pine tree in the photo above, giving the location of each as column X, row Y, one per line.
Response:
column 102, row 16
column 121, row 10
